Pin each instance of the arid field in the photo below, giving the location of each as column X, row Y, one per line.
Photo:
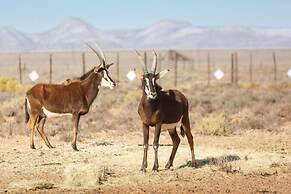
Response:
column 241, row 132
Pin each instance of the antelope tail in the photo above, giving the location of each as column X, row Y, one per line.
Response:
column 26, row 111
column 182, row 132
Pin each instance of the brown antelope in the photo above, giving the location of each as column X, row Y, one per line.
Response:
column 164, row 110
column 76, row 79
column 49, row 100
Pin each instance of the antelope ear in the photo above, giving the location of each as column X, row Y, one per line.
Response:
column 138, row 74
column 109, row 65
column 162, row 73
column 98, row 69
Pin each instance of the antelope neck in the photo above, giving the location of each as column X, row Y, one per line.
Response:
column 91, row 87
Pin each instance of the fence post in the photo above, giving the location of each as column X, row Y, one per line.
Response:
column 117, row 66
column 145, row 58
column 208, row 69
column 193, row 64
column 251, row 67
column 176, row 69
column 198, row 57
column 275, row 66
column 51, row 67
column 20, row 68
column 84, row 62
column 236, row 68
column 232, row 68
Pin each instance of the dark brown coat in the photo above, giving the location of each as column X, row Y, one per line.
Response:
column 162, row 110
column 45, row 100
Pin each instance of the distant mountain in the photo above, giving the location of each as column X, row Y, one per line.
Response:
column 11, row 39
column 73, row 32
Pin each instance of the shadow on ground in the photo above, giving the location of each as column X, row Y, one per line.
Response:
column 220, row 160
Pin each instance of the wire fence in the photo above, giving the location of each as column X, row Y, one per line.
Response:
column 201, row 66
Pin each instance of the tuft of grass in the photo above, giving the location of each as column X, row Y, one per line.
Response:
column 213, row 124
column 43, row 186
column 8, row 85
column 86, row 175
column 223, row 163
column 131, row 96
column 250, row 85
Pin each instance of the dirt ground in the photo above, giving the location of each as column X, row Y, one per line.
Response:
column 109, row 162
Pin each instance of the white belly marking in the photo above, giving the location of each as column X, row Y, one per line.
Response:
column 171, row 125
column 50, row 114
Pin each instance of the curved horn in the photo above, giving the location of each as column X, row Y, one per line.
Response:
column 144, row 66
column 100, row 51
column 97, row 53
column 155, row 62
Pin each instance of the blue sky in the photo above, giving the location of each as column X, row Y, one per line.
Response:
column 40, row 15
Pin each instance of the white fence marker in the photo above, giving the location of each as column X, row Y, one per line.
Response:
column 131, row 75
column 218, row 74
column 33, row 76
column 289, row 73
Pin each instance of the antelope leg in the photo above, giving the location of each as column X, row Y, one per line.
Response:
column 75, row 121
column 144, row 164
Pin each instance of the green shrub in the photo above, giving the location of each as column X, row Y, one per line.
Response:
column 8, row 85
column 131, row 96
column 213, row 124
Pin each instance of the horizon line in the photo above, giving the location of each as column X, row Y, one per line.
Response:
column 62, row 21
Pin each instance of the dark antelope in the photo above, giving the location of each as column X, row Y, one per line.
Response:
column 164, row 110
column 50, row 100
column 76, row 79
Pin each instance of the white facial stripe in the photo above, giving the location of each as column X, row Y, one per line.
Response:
column 106, row 81
column 147, row 91
column 147, row 86
column 147, row 82
column 149, row 94
column 106, row 75
column 50, row 114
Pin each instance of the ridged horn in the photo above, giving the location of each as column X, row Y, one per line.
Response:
column 100, row 57
column 155, row 62
column 144, row 66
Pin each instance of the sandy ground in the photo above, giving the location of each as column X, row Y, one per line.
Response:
column 109, row 162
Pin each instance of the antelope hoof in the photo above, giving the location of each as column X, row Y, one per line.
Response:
column 168, row 165
column 193, row 164
column 51, row 147
column 32, row 146
column 74, row 146
column 143, row 169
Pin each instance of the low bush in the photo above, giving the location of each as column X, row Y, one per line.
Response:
column 8, row 85
column 213, row 124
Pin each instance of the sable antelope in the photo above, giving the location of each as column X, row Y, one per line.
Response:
column 164, row 110
column 76, row 79
column 50, row 100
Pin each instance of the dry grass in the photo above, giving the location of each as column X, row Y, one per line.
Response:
column 86, row 175
column 8, row 85
column 216, row 110
column 212, row 125
column 224, row 108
